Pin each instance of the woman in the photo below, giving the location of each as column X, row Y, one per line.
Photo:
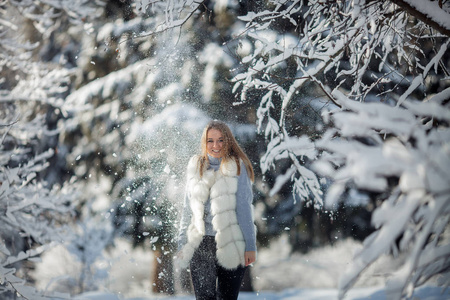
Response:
column 217, row 233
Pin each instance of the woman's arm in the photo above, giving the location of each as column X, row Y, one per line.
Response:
column 244, row 210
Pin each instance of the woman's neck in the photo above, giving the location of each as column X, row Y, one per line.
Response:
column 214, row 160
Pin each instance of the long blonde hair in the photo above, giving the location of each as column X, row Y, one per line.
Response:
column 231, row 149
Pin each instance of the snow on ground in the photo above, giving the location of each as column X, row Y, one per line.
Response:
column 277, row 275
column 424, row 293
column 276, row 269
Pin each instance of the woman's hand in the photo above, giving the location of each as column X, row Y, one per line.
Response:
column 250, row 257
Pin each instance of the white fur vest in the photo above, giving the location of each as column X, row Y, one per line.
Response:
column 221, row 187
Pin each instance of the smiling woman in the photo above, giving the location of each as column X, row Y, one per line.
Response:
column 217, row 238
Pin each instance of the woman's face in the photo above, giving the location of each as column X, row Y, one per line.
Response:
column 214, row 143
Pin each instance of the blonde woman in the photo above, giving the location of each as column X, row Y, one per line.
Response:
column 217, row 237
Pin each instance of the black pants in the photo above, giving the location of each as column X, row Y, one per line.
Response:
column 210, row 280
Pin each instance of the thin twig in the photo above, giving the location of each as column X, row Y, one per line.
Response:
column 9, row 127
column 12, row 123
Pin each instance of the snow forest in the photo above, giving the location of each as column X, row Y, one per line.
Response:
column 343, row 107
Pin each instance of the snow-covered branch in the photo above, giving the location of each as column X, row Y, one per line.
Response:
column 30, row 210
column 174, row 13
column 429, row 12
column 385, row 135
column 35, row 210
column 412, row 166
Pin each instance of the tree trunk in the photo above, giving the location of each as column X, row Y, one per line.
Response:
column 163, row 277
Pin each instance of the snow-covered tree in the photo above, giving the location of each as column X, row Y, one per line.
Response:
column 33, row 214
column 388, row 132
column 35, row 205
column 401, row 154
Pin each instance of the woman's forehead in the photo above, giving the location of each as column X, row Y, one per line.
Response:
column 213, row 132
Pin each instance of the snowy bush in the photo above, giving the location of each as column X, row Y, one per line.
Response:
column 80, row 263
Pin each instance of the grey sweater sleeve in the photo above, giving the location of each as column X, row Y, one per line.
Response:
column 244, row 207
column 184, row 223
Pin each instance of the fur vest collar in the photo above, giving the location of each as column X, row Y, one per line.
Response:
column 221, row 187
